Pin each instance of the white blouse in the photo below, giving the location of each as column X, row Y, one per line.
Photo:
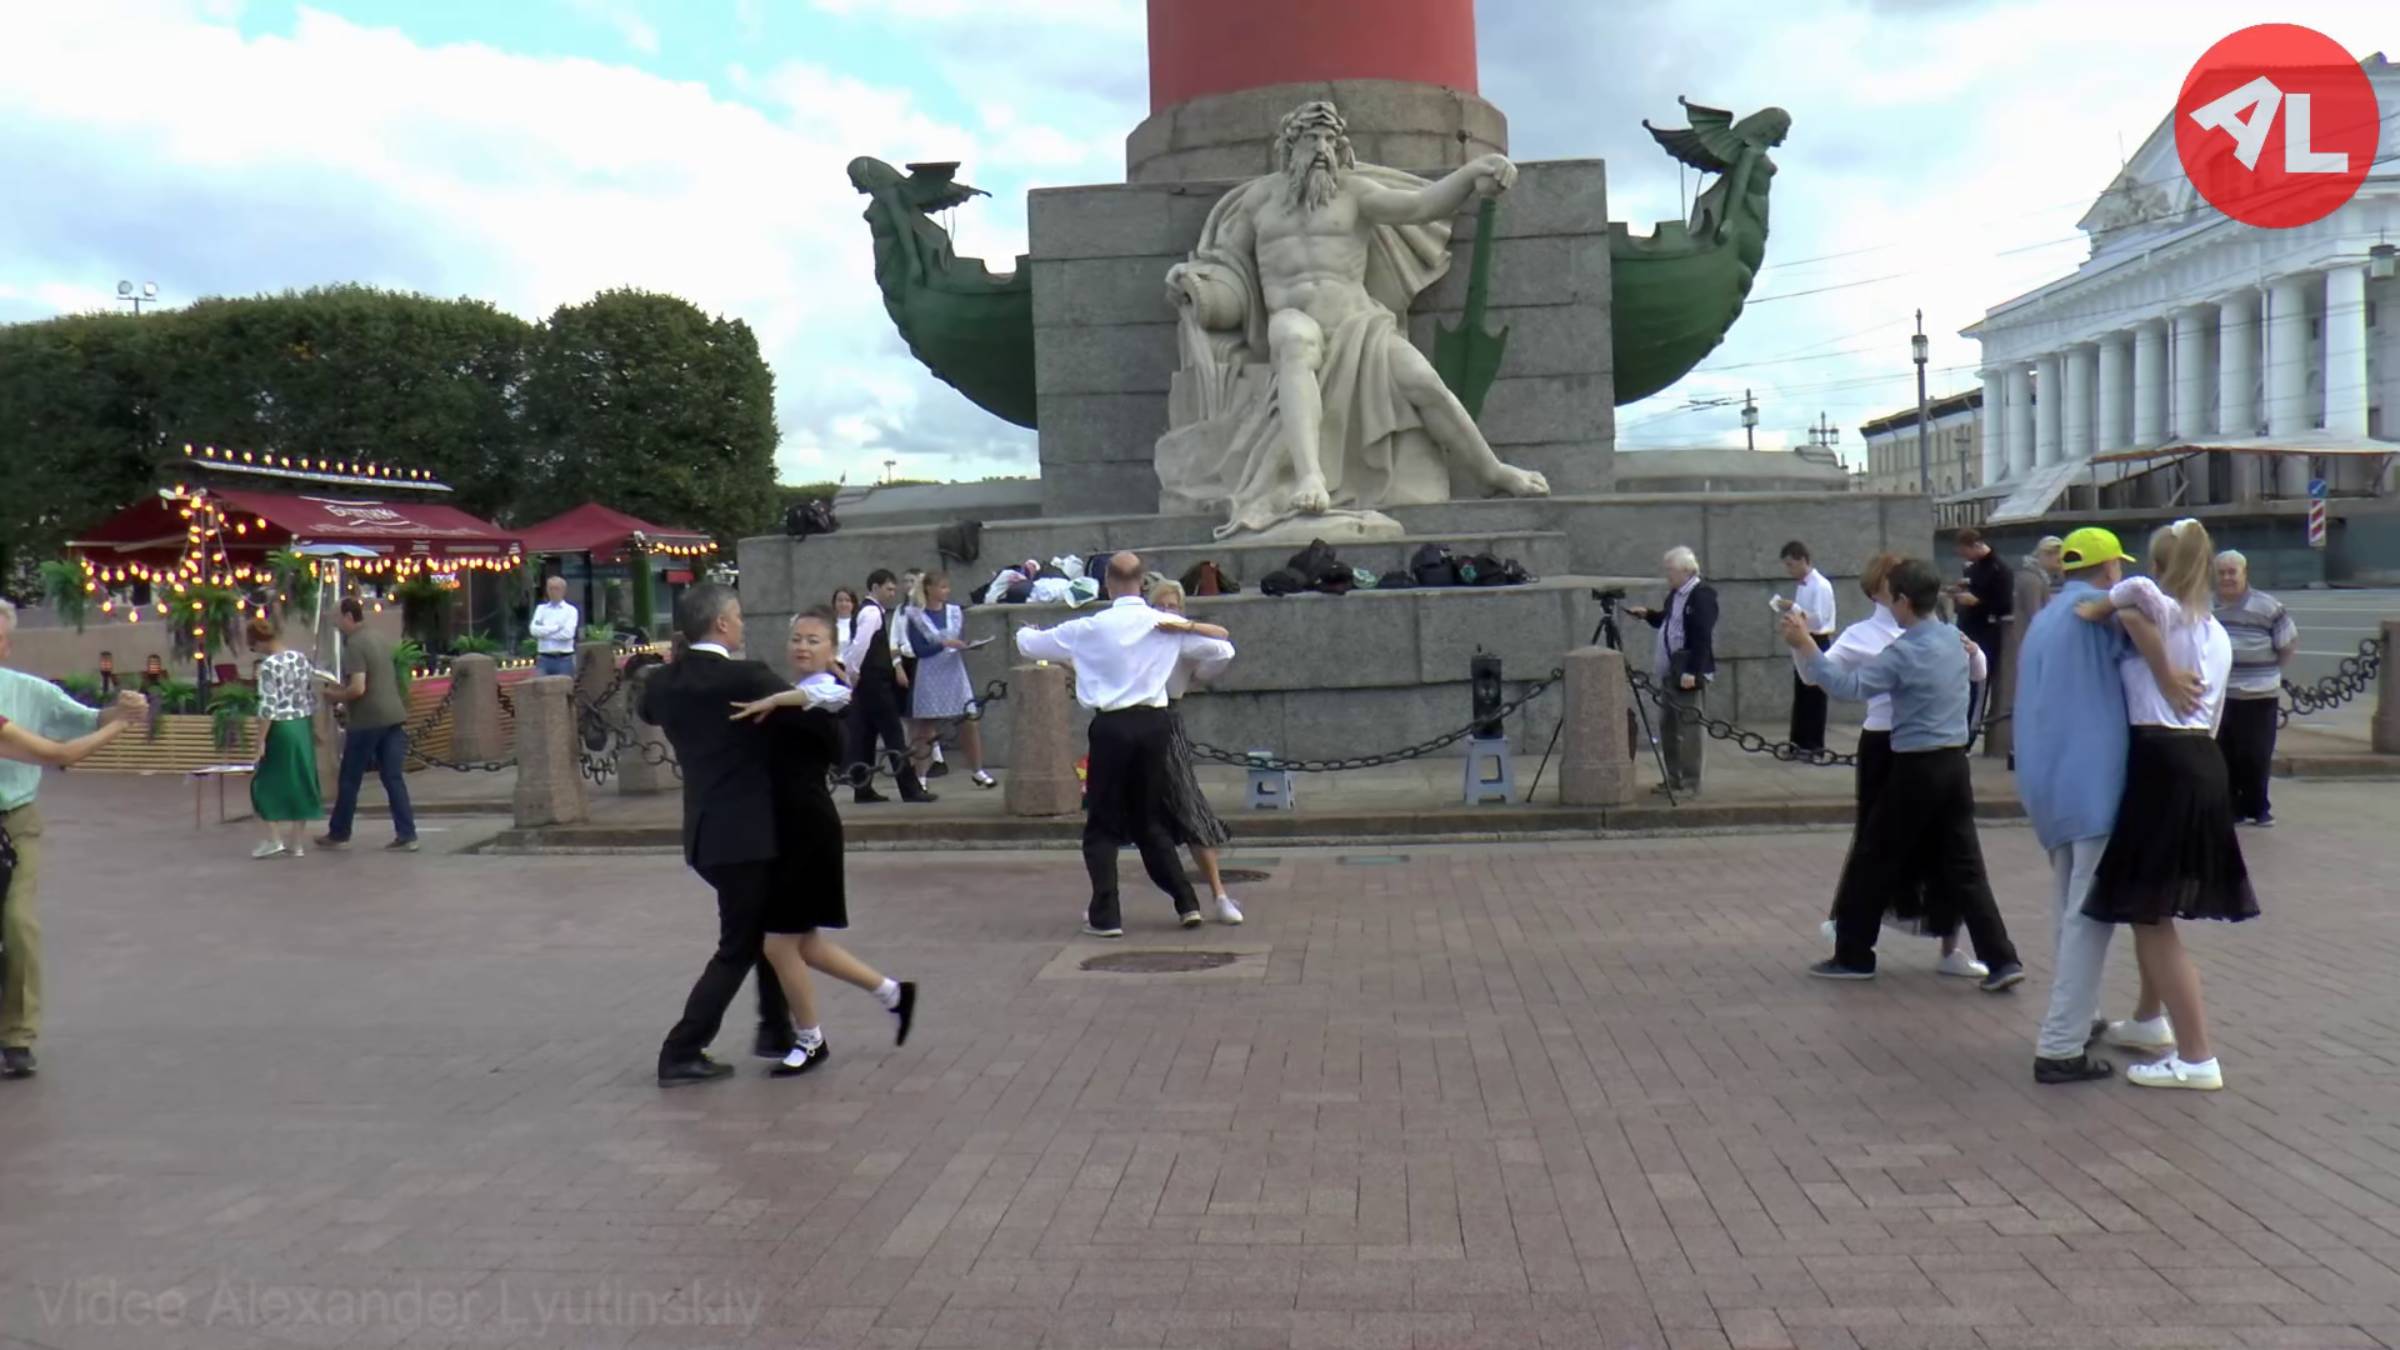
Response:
column 287, row 690
column 1859, row 644
column 2196, row 644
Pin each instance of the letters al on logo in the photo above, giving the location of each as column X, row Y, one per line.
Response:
column 2277, row 125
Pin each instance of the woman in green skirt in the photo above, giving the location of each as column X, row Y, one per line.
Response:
column 283, row 789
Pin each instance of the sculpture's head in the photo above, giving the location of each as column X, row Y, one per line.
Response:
column 1314, row 144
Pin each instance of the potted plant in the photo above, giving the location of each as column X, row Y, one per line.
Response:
column 82, row 687
column 230, row 709
column 475, row 644
column 408, row 657
column 63, row 586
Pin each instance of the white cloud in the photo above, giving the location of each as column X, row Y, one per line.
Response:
column 343, row 152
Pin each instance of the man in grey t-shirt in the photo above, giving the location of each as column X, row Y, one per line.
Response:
column 377, row 734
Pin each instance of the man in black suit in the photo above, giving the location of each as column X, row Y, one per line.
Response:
column 1686, row 662
column 880, row 694
column 728, row 818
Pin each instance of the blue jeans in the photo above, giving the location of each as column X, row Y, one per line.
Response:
column 388, row 748
column 554, row 663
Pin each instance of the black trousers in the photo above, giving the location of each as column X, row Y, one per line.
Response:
column 2247, row 736
column 742, row 890
column 1808, row 707
column 1980, row 697
column 875, row 716
column 1126, row 802
column 1921, row 832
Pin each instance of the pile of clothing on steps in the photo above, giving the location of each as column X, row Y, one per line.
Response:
column 1066, row 580
column 1317, row 568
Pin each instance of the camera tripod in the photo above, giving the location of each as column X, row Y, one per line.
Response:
column 1607, row 633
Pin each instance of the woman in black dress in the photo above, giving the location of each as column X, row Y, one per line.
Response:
column 1197, row 826
column 810, row 747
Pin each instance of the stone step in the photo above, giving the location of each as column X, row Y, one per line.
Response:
column 1543, row 552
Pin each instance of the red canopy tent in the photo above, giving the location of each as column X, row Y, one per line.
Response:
column 154, row 534
column 608, row 535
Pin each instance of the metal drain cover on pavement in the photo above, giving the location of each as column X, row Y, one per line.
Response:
column 1156, row 963
column 1233, row 876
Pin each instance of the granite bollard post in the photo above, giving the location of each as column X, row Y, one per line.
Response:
column 475, row 709
column 645, row 762
column 1595, row 767
column 1041, row 751
column 2386, row 733
column 549, row 776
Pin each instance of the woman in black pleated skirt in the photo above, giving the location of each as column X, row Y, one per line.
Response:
column 1197, row 825
column 2173, row 854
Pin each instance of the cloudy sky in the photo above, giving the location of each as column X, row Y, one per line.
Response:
column 534, row 151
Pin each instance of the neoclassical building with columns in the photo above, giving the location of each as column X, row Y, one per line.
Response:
column 2185, row 327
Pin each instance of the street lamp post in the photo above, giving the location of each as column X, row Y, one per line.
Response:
column 1749, row 419
column 1916, row 348
column 145, row 294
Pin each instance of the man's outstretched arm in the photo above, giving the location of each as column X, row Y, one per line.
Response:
column 1436, row 201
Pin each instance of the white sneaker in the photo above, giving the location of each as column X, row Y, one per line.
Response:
column 267, row 851
column 1959, row 963
column 1227, row 911
column 2151, row 1037
column 2174, row 1073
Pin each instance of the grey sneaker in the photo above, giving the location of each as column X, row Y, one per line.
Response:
column 401, row 846
column 16, row 1061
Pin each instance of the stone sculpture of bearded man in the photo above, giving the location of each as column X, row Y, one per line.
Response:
column 1301, row 397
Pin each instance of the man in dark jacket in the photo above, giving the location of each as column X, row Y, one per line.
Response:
column 1985, row 600
column 729, row 819
column 1686, row 662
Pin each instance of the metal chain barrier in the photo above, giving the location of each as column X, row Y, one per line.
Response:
column 863, row 775
column 1751, row 742
column 1245, row 760
column 417, row 735
column 2354, row 678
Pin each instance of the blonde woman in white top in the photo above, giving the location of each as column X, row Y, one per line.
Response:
column 2174, row 854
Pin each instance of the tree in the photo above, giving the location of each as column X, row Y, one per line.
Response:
column 644, row 402
column 79, row 431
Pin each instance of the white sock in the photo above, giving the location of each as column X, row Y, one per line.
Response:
column 809, row 1037
column 888, row 994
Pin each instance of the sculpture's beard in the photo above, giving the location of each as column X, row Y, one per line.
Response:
column 1312, row 182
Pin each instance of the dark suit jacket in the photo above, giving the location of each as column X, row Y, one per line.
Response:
column 729, row 807
column 1699, row 654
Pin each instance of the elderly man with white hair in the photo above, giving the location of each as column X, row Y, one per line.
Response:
column 1685, row 663
column 2264, row 639
column 41, row 708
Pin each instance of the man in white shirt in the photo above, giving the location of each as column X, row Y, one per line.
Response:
column 1811, row 595
column 555, row 627
column 880, row 687
column 1124, row 655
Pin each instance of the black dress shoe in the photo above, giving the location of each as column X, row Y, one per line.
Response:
column 2080, row 1069
column 906, row 1011
column 16, row 1061
column 919, row 797
column 772, row 1043
column 868, row 797
column 940, row 769
column 793, row 1068
column 699, row 1069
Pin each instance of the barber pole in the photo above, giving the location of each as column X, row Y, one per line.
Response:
column 2316, row 524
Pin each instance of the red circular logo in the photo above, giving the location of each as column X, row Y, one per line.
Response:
column 2277, row 125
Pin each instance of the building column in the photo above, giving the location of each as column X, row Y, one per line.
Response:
column 2083, row 373
column 2112, row 403
column 2191, row 373
column 1996, row 452
column 2050, row 393
column 2150, row 383
column 2346, row 393
column 2238, row 334
column 2019, row 378
column 2288, row 350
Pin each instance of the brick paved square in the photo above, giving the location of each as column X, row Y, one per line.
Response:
column 1527, row 1095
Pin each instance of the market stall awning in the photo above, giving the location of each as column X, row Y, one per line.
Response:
column 606, row 533
column 270, row 520
column 2298, row 443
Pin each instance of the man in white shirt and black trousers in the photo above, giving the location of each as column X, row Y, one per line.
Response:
column 1811, row 595
column 879, row 691
column 1123, row 658
column 555, row 627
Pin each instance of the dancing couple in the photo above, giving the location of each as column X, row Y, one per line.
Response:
column 760, row 827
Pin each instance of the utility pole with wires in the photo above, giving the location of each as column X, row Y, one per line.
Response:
column 1750, row 419
column 1824, row 434
column 1916, row 347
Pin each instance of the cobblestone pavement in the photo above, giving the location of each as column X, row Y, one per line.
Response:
column 1569, row 1095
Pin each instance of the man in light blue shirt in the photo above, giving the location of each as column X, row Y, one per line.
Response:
column 42, row 708
column 1921, row 831
column 2071, row 737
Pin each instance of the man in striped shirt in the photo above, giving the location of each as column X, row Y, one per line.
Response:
column 2264, row 638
